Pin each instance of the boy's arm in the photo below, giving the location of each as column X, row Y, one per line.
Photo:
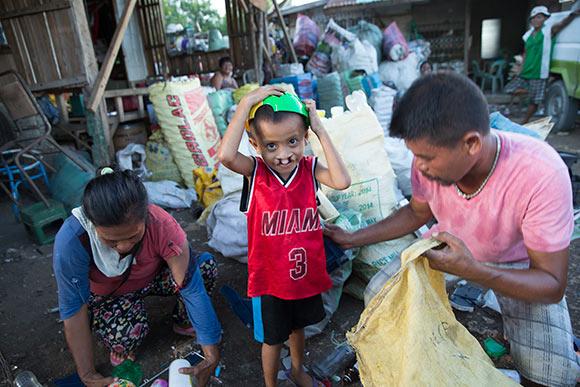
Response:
column 335, row 175
column 228, row 152
column 556, row 28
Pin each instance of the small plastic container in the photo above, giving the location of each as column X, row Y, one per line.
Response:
column 177, row 379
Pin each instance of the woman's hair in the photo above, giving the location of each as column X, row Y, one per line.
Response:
column 114, row 198
column 223, row 60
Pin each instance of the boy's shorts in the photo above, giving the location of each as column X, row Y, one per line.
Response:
column 275, row 318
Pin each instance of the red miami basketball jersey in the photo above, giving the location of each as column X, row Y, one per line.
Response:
column 286, row 256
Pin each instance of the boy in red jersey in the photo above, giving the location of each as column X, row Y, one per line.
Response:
column 286, row 260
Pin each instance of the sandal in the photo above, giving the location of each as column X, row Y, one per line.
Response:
column 184, row 331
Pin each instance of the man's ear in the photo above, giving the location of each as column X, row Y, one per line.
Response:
column 473, row 142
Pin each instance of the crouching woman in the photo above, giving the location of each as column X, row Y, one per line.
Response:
column 111, row 253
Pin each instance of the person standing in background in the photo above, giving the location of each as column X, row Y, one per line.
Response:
column 537, row 53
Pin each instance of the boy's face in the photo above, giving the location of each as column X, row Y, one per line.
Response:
column 538, row 20
column 281, row 145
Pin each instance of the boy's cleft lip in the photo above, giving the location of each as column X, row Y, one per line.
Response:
column 285, row 162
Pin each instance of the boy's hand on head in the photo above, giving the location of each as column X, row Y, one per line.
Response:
column 315, row 122
column 261, row 93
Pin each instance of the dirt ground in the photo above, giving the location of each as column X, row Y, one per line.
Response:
column 31, row 335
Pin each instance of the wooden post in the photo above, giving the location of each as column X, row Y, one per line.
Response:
column 107, row 67
column 285, row 31
column 467, row 36
column 259, row 42
column 97, row 122
column 253, row 46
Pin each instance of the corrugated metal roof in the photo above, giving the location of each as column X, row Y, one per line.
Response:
column 289, row 10
column 345, row 3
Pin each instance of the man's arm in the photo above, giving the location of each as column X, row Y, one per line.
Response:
column 556, row 28
column 544, row 282
column 402, row 222
column 78, row 337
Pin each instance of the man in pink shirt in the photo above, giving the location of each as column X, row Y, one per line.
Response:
column 503, row 206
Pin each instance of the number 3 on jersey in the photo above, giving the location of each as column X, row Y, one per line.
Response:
column 298, row 257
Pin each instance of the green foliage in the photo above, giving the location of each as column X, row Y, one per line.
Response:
column 199, row 14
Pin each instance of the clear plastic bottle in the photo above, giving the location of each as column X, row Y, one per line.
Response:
column 342, row 357
column 26, row 379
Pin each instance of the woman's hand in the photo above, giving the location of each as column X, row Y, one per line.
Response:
column 204, row 369
column 95, row 379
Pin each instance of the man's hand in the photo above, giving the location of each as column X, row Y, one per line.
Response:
column 95, row 379
column 339, row 235
column 453, row 258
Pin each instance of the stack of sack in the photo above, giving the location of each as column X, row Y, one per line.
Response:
column 306, row 36
column 381, row 100
column 330, row 92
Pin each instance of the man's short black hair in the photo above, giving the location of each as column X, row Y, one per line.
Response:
column 440, row 108
column 225, row 59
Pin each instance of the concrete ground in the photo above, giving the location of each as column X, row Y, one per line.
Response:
column 31, row 335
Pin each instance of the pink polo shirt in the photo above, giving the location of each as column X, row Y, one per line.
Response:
column 526, row 203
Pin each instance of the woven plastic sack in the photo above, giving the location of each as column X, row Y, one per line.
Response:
column 371, row 33
column 187, row 124
column 371, row 82
column 355, row 56
column 395, row 46
column 381, row 100
column 306, row 35
column 353, row 82
column 159, row 160
column 239, row 93
column 330, row 92
column 402, row 73
column 207, row 186
column 220, row 102
column 408, row 335
column 358, row 138
column 320, row 63
column 334, row 35
column 304, row 84
column 421, row 48
column 286, row 69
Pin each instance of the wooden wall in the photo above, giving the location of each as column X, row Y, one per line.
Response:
column 45, row 43
column 239, row 32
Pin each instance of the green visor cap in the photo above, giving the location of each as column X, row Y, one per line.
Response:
column 287, row 102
